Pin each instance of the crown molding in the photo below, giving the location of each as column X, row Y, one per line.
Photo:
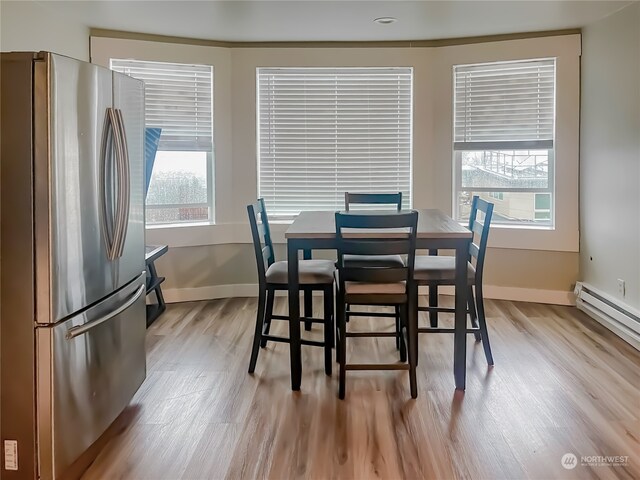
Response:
column 445, row 42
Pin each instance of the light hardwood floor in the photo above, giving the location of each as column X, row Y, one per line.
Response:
column 561, row 384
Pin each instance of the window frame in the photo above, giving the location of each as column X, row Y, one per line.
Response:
column 407, row 195
column 505, row 146
column 209, row 156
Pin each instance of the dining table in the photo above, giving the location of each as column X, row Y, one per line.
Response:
column 315, row 230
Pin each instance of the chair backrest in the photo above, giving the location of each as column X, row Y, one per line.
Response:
column 373, row 199
column 376, row 233
column 261, row 235
column 480, row 229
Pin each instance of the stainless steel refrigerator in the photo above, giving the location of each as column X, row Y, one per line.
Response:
column 72, row 264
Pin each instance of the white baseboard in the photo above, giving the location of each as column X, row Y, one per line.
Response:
column 517, row 294
column 212, row 292
column 554, row 297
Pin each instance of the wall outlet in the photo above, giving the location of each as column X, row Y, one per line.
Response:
column 11, row 455
column 621, row 287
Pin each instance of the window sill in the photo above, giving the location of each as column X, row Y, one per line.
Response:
column 202, row 234
column 157, row 226
column 196, row 234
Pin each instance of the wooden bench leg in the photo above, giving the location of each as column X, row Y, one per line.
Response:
column 154, row 311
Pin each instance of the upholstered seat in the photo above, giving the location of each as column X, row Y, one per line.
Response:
column 397, row 288
column 311, row 272
column 434, row 268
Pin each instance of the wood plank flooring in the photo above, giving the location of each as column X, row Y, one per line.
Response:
column 562, row 384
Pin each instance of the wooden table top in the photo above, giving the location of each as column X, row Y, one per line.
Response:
column 432, row 223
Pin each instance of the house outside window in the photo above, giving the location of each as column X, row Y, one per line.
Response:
column 325, row 131
column 504, row 127
column 179, row 101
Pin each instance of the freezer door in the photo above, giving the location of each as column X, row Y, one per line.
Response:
column 80, row 194
column 89, row 368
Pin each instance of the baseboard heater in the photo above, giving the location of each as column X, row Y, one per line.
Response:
column 621, row 319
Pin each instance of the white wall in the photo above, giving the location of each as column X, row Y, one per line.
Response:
column 610, row 155
column 35, row 26
column 531, row 261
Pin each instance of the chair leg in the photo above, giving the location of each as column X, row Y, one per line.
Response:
column 308, row 308
column 409, row 345
column 402, row 321
column 342, row 345
column 328, row 328
column 257, row 336
column 473, row 313
column 268, row 313
column 433, row 303
column 484, row 333
column 398, row 329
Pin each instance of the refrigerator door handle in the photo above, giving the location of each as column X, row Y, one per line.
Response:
column 106, row 211
column 125, row 187
column 80, row 329
column 122, row 184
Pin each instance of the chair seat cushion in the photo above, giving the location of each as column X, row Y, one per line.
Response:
column 434, row 268
column 396, row 288
column 373, row 261
column 310, row 272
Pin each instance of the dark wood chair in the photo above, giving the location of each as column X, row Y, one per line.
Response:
column 377, row 199
column 434, row 270
column 393, row 200
column 273, row 276
column 376, row 284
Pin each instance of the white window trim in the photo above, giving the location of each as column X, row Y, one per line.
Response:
column 104, row 48
column 564, row 237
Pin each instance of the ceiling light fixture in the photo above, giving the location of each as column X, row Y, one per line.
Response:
column 386, row 20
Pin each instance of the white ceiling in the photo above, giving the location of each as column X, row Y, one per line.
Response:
column 328, row 20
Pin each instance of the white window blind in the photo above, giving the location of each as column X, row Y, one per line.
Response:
column 178, row 99
column 505, row 105
column 324, row 131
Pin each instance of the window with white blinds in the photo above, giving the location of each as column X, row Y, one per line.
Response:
column 506, row 104
column 504, row 126
column 325, row 131
column 179, row 102
column 178, row 99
